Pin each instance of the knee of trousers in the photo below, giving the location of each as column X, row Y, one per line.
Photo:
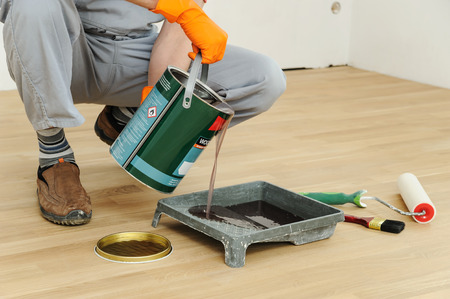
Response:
column 272, row 87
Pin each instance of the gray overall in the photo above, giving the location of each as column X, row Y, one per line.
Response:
column 64, row 52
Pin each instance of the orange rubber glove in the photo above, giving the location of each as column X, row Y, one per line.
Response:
column 145, row 91
column 204, row 34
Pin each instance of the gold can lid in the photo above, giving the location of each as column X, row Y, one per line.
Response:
column 133, row 247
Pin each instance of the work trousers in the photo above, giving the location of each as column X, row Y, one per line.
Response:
column 57, row 64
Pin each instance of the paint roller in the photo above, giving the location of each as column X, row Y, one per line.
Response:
column 416, row 199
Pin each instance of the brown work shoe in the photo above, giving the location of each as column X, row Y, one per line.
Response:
column 62, row 199
column 106, row 126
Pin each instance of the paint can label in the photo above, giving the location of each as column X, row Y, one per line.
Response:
column 191, row 156
column 138, row 127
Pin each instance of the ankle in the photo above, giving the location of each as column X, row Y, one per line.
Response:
column 53, row 147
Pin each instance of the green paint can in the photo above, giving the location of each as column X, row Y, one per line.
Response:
column 171, row 128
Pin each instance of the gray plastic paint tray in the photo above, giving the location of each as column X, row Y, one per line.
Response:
column 253, row 213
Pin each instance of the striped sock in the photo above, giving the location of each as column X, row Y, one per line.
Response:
column 53, row 146
column 122, row 114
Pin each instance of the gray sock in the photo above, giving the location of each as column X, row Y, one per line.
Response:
column 122, row 114
column 53, row 147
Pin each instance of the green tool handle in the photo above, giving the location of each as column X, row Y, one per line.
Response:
column 335, row 198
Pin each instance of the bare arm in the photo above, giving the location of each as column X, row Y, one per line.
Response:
column 171, row 47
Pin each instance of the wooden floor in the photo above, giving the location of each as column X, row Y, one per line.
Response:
column 339, row 129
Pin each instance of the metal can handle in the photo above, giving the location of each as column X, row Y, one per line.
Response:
column 195, row 70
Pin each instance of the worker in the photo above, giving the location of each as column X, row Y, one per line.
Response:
column 107, row 52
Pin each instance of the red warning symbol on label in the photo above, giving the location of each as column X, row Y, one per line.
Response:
column 151, row 112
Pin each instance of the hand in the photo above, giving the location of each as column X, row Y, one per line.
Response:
column 204, row 34
column 206, row 37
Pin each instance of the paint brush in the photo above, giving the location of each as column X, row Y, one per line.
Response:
column 386, row 225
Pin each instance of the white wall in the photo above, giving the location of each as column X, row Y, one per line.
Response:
column 409, row 39
column 296, row 33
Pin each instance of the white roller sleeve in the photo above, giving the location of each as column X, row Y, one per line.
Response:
column 415, row 197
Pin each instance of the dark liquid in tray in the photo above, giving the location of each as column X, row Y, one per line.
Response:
column 253, row 215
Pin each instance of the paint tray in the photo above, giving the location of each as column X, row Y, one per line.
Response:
column 252, row 213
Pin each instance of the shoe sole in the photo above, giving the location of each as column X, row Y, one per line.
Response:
column 101, row 134
column 75, row 217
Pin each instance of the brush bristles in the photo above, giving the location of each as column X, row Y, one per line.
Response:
column 392, row 226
